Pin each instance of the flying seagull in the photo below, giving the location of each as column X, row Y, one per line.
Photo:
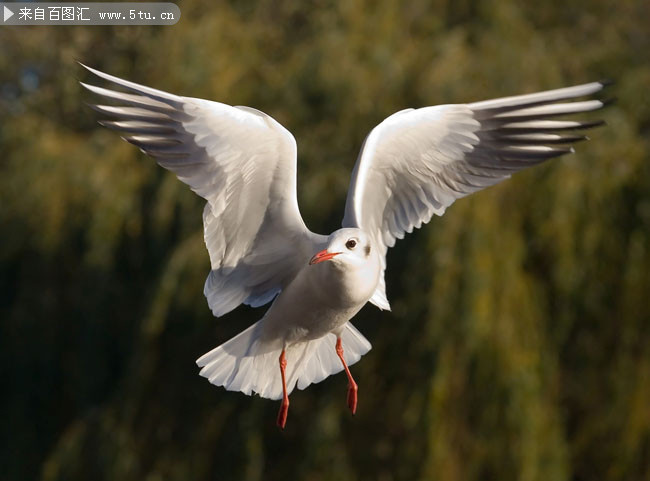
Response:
column 413, row 165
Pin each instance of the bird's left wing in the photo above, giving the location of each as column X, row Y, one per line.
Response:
column 243, row 163
column 417, row 162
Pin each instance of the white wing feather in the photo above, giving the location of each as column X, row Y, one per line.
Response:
column 416, row 163
column 243, row 163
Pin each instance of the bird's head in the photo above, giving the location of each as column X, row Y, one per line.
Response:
column 348, row 246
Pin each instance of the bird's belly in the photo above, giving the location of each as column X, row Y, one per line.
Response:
column 305, row 311
column 318, row 322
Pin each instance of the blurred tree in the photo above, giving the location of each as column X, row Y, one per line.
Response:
column 518, row 345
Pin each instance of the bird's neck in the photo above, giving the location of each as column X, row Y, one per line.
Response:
column 349, row 285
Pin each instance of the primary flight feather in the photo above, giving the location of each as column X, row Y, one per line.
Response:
column 413, row 165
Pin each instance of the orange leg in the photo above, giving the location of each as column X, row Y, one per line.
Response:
column 352, row 386
column 284, row 407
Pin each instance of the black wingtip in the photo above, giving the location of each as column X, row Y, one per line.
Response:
column 79, row 62
column 571, row 139
column 607, row 82
column 591, row 125
column 609, row 101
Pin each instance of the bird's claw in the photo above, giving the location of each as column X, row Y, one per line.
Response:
column 352, row 398
column 283, row 413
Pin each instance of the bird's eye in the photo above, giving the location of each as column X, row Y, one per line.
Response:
column 351, row 244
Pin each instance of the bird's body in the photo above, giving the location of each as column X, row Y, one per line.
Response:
column 413, row 165
column 319, row 300
column 304, row 323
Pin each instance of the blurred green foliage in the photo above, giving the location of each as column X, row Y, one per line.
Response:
column 519, row 342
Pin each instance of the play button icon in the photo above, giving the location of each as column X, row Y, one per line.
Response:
column 8, row 14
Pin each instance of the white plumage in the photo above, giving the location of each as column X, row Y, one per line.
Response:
column 257, row 372
column 413, row 165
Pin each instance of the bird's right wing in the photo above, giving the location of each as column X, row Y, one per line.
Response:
column 417, row 162
column 243, row 163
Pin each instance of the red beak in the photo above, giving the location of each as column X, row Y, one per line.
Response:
column 322, row 256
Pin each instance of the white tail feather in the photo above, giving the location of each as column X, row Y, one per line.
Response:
column 245, row 364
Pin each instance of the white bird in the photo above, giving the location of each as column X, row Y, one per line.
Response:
column 414, row 164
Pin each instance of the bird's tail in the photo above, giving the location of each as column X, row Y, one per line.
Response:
column 246, row 364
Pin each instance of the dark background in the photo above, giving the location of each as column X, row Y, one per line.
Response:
column 519, row 343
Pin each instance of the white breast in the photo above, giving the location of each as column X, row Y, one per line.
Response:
column 321, row 299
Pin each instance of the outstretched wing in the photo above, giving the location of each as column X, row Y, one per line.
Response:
column 243, row 163
column 417, row 162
